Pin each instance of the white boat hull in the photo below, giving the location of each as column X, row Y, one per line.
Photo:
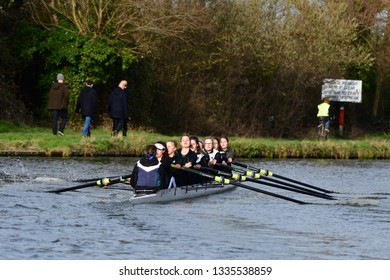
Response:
column 181, row 193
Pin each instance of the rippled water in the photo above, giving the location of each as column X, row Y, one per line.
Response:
column 95, row 223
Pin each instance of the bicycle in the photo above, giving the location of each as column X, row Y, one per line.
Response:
column 322, row 132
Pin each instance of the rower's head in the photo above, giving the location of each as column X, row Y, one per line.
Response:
column 224, row 142
column 208, row 144
column 216, row 145
column 185, row 141
column 161, row 148
column 150, row 152
column 194, row 144
column 171, row 147
column 201, row 145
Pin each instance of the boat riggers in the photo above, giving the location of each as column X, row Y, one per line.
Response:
column 269, row 173
column 104, row 182
column 226, row 181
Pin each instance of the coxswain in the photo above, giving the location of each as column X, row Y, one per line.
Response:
column 146, row 175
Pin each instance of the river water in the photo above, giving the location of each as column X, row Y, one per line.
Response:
column 94, row 223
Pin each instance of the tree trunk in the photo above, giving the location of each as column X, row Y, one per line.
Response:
column 377, row 97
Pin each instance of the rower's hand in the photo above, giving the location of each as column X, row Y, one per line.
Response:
column 197, row 166
column 188, row 165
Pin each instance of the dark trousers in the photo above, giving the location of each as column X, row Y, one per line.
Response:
column 63, row 114
column 118, row 125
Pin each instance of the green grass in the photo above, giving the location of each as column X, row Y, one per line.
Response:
column 19, row 139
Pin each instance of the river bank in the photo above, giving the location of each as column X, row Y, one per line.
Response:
column 38, row 141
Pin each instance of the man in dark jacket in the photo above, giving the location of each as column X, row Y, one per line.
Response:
column 86, row 103
column 58, row 104
column 118, row 108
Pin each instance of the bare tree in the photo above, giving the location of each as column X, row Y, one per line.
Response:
column 140, row 24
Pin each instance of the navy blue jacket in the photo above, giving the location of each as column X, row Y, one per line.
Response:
column 146, row 174
column 118, row 107
column 86, row 102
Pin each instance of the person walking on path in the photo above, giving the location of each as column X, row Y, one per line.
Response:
column 118, row 108
column 86, row 103
column 58, row 104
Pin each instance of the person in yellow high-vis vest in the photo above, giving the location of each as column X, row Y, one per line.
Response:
column 323, row 113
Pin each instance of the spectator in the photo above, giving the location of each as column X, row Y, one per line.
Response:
column 118, row 108
column 58, row 104
column 86, row 103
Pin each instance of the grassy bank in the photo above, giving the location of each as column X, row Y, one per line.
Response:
column 20, row 140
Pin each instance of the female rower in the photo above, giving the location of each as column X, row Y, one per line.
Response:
column 201, row 145
column 202, row 158
column 214, row 155
column 171, row 149
column 161, row 151
column 194, row 144
column 195, row 147
column 167, row 178
column 216, row 144
column 227, row 154
column 146, row 172
column 185, row 158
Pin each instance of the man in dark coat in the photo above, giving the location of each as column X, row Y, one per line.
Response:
column 118, row 108
column 58, row 104
column 86, row 103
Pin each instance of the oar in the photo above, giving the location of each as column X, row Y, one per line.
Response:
column 93, row 179
column 227, row 181
column 102, row 182
column 240, row 177
column 269, row 173
column 250, row 173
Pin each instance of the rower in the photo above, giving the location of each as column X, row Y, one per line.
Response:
column 161, row 151
column 146, row 173
column 216, row 145
column 202, row 156
column 227, row 154
column 185, row 158
column 213, row 155
column 168, row 158
column 201, row 161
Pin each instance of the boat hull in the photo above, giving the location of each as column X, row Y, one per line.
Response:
column 181, row 193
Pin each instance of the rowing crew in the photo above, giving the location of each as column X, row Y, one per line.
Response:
column 154, row 170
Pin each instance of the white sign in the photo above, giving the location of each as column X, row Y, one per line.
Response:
column 342, row 90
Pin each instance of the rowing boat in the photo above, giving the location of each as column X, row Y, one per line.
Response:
column 181, row 193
